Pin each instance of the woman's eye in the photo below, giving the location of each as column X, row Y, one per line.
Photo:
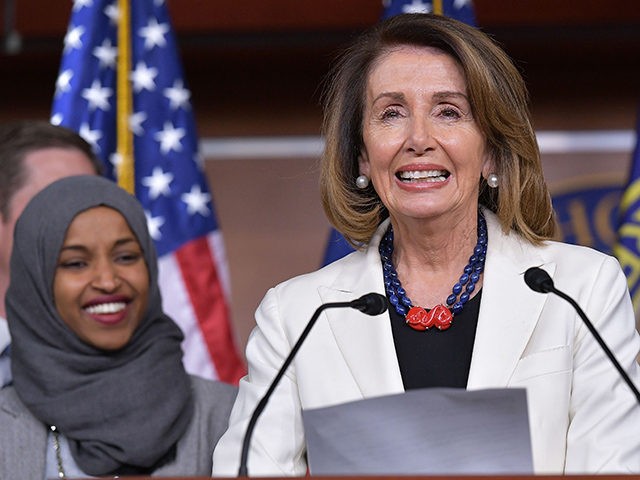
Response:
column 390, row 114
column 450, row 113
column 72, row 264
column 129, row 257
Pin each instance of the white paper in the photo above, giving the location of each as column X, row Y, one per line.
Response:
column 428, row 431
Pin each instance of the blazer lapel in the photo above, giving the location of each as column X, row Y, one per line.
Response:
column 509, row 310
column 365, row 342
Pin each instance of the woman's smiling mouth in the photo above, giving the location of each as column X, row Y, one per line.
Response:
column 432, row 176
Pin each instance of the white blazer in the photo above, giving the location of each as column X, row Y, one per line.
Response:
column 583, row 417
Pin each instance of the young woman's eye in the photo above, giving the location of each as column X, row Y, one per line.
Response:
column 128, row 257
column 72, row 264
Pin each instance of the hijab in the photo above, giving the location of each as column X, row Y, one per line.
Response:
column 122, row 411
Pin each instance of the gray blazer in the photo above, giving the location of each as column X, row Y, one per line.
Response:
column 23, row 438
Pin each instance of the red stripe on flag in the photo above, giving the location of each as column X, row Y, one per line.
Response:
column 209, row 303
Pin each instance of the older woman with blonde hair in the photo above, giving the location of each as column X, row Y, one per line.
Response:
column 432, row 170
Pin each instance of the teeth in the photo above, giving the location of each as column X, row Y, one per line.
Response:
column 103, row 308
column 424, row 175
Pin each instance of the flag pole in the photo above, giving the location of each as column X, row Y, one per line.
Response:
column 125, row 170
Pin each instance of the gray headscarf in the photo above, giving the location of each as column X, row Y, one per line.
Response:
column 123, row 411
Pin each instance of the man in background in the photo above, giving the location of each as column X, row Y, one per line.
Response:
column 32, row 155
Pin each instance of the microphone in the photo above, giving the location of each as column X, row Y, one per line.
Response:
column 539, row 280
column 370, row 304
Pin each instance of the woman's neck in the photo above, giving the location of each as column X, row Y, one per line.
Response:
column 430, row 256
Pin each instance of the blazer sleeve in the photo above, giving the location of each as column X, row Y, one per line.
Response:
column 603, row 434
column 23, row 439
column 277, row 445
column 212, row 405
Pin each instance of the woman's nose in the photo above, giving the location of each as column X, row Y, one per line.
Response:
column 420, row 139
column 106, row 278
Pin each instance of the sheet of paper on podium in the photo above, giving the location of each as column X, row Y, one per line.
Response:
column 422, row 432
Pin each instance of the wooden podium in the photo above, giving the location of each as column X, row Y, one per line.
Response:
column 427, row 477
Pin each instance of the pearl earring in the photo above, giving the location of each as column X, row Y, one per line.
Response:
column 492, row 180
column 362, row 182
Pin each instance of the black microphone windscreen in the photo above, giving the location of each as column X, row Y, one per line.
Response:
column 538, row 280
column 371, row 304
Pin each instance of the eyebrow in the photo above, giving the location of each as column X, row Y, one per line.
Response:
column 450, row 94
column 118, row 243
column 392, row 95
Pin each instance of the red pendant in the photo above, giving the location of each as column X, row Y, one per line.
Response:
column 442, row 317
column 419, row 319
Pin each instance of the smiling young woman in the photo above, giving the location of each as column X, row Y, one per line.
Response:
column 101, row 285
column 99, row 385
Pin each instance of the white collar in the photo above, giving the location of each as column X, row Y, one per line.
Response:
column 5, row 337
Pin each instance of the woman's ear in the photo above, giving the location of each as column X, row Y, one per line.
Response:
column 489, row 166
column 363, row 163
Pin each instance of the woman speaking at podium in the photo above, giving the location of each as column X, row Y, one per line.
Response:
column 432, row 169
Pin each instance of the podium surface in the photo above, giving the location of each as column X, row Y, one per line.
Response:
column 427, row 477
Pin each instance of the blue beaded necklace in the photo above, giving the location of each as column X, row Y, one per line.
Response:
column 440, row 316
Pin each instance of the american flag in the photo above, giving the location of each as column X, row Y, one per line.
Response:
column 459, row 9
column 166, row 172
column 337, row 247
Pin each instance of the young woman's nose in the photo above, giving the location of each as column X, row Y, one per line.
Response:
column 106, row 277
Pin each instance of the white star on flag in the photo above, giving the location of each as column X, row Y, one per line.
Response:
column 143, row 77
column 158, row 183
column 106, row 53
column 196, row 201
column 115, row 159
column 169, row 138
column 154, row 33
column 78, row 4
column 154, row 224
column 97, row 96
column 461, row 3
column 178, row 95
column 112, row 12
column 73, row 38
column 91, row 136
column 135, row 122
column 63, row 83
column 417, row 6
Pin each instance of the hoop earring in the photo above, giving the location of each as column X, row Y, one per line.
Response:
column 362, row 182
column 492, row 180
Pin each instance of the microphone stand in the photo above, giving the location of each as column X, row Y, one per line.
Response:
column 600, row 341
column 539, row 280
column 361, row 304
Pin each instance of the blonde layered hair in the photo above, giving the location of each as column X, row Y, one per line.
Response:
column 499, row 102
